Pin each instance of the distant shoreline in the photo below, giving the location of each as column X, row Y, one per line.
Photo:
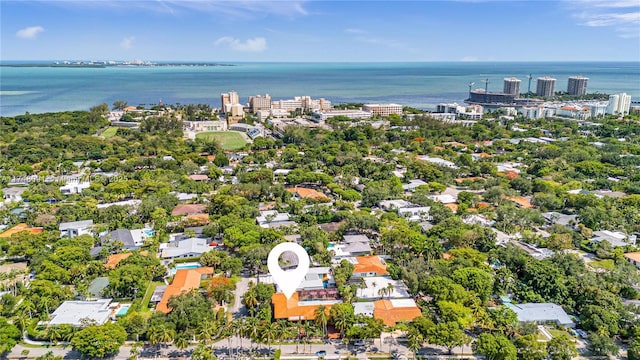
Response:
column 110, row 65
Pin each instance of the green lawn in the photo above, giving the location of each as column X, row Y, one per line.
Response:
column 109, row 132
column 144, row 306
column 229, row 140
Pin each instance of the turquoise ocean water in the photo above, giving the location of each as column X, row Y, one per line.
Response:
column 421, row 85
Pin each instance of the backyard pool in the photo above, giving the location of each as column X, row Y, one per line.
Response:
column 193, row 265
column 124, row 308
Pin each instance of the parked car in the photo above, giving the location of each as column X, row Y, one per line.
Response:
column 359, row 342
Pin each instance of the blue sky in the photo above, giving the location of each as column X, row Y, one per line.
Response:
column 200, row 30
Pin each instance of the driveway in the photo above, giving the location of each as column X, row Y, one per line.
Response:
column 238, row 309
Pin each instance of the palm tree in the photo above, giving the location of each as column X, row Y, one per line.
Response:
column 27, row 307
column 390, row 289
column 269, row 333
column 415, row 341
column 253, row 329
column 160, row 335
column 280, row 333
column 250, row 300
column 54, row 334
column 206, row 331
column 181, row 342
column 322, row 318
column 202, row 352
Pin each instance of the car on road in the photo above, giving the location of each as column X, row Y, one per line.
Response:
column 321, row 353
column 359, row 342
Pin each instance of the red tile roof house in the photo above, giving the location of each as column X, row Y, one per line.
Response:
column 188, row 209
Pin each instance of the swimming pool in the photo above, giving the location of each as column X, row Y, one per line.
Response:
column 124, row 308
column 192, row 265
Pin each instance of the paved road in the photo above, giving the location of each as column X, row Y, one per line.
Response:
column 238, row 309
column 237, row 347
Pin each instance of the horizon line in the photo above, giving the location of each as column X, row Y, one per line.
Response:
column 332, row 61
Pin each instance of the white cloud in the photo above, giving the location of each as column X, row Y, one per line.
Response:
column 469, row 58
column 30, row 32
column 354, row 31
column 623, row 16
column 257, row 44
column 127, row 43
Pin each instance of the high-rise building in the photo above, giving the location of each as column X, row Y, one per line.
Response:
column 619, row 104
column 512, row 86
column 577, row 85
column 259, row 102
column 227, row 100
column 546, row 86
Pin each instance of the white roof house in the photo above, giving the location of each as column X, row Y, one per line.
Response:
column 273, row 219
column 541, row 313
column 388, row 205
column 13, row 194
column 73, row 312
column 74, row 187
column 615, row 238
column 438, row 161
column 364, row 308
column 185, row 248
column 76, row 228
column 413, row 184
column 317, row 278
column 443, row 198
column 416, row 213
column 373, row 284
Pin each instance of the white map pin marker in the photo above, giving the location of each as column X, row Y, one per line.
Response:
column 288, row 281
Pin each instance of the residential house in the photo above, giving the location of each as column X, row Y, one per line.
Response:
column 188, row 209
column 74, row 187
column 76, row 228
column 76, row 313
column 445, row 199
column 368, row 266
column 307, row 193
column 415, row 213
column 114, row 259
column 186, row 248
column 184, row 281
column 554, row 218
column 391, row 311
column 20, row 228
column 634, row 258
column 615, row 238
column 541, row 313
column 379, row 287
column 391, row 205
column 413, row 184
column 438, row 161
column 13, row 194
column 274, row 219
column 353, row 245
column 199, row 177
column 96, row 287
column 303, row 305
column 130, row 239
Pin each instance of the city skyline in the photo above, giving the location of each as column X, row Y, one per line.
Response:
column 322, row 31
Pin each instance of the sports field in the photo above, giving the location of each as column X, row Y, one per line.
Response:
column 229, row 140
column 109, row 132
